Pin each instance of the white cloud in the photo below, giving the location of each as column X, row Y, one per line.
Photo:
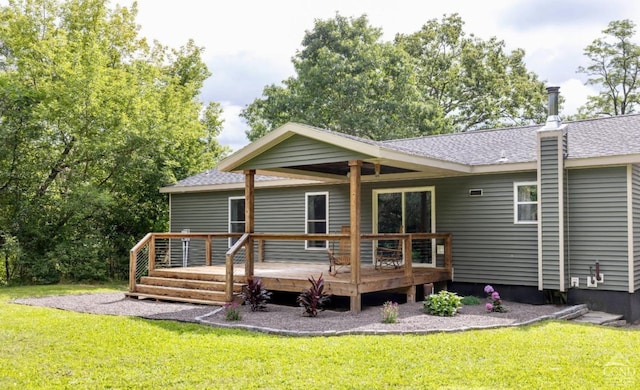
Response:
column 233, row 132
column 575, row 94
column 249, row 43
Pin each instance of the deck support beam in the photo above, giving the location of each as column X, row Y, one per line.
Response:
column 355, row 170
column 249, row 218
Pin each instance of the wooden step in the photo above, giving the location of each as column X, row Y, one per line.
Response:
column 177, row 292
column 181, row 273
column 188, row 283
column 174, row 299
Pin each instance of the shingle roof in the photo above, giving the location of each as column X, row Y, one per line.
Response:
column 613, row 136
column 602, row 137
column 214, row 176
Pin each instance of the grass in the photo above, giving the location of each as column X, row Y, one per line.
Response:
column 49, row 348
column 470, row 300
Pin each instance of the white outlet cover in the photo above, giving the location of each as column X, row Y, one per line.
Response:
column 575, row 282
column 601, row 278
column 589, row 284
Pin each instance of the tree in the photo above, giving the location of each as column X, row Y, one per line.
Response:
column 94, row 120
column 349, row 81
column 434, row 81
column 473, row 82
column 615, row 68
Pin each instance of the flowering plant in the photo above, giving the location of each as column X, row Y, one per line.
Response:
column 390, row 312
column 231, row 311
column 494, row 303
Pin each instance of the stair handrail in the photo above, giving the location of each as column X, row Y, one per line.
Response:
column 231, row 253
column 133, row 256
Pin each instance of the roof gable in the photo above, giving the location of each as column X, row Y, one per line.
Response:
column 299, row 150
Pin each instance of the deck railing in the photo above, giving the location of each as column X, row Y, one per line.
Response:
column 167, row 250
column 164, row 250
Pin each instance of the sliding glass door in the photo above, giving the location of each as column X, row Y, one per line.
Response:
column 406, row 210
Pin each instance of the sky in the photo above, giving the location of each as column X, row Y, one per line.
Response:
column 249, row 43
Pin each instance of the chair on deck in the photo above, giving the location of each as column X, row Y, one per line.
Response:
column 388, row 256
column 342, row 256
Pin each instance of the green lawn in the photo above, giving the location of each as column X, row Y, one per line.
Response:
column 48, row 348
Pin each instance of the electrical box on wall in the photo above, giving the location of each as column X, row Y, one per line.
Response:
column 591, row 282
column 575, row 282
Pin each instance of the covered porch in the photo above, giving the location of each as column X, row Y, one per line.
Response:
column 304, row 153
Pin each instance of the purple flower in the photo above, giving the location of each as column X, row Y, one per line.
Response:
column 495, row 295
column 488, row 289
column 489, row 306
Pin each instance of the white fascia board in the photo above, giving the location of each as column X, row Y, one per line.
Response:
column 505, row 167
column 411, row 160
column 602, row 161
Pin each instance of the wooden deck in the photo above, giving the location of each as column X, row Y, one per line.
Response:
column 293, row 277
column 154, row 274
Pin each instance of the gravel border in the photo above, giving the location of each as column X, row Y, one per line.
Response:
column 290, row 321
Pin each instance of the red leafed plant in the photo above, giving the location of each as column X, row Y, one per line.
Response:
column 255, row 294
column 313, row 298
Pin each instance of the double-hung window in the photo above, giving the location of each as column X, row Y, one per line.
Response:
column 236, row 217
column 525, row 195
column 316, row 218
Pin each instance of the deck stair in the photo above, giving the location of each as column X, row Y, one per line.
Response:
column 166, row 285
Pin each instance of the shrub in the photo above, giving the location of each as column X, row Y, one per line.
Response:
column 494, row 303
column 313, row 298
column 231, row 311
column 390, row 312
column 255, row 294
column 444, row 304
column 470, row 300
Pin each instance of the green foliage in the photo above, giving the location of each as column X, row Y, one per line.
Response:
column 53, row 349
column 444, row 304
column 313, row 298
column 436, row 80
column 470, row 300
column 255, row 294
column 94, row 120
column 232, row 311
column 614, row 67
column 389, row 312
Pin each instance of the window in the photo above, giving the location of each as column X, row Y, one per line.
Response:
column 317, row 217
column 525, row 202
column 236, row 217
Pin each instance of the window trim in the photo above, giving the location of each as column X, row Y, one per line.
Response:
column 517, row 203
column 306, row 219
column 229, row 221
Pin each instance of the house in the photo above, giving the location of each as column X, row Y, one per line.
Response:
column 543, row 212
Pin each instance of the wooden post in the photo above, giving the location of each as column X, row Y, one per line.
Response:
column 207, row 250
column 133, row 254
column 261, row 251
column 249, row 218
column 355, row 168
column 152, row 254
column 408, row 256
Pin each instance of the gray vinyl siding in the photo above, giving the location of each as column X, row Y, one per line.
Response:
column 277, row 210
column 549, row 214
column 488, row 247
column 201, row 212
column 597, row 225
column 299, row 150
column 636, row 224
